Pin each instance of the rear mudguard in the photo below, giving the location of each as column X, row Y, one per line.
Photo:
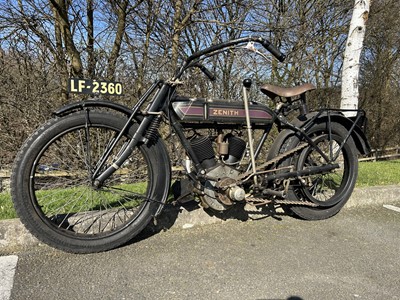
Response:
column 357, row 134
column 73, row 107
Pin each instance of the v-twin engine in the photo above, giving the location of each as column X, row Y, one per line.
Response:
column 219, row 188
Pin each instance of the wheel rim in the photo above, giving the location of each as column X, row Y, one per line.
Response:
column 63, row 194
column 324, row 189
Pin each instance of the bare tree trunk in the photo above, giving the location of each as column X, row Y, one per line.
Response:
column 180, row 22
column 90, row 39
column 121, row 12
column 351, row 65
column 122, row 9
column 176, row 34
column 61, row 63
column 61, row 15
column 141, row 59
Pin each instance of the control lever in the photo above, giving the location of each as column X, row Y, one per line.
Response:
column 247, row 83
column 246, row 87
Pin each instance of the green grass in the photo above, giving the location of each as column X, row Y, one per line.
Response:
column 370, row 174
column 63, row 197
column 59, row 201
column 379, row 173
column 6, row 207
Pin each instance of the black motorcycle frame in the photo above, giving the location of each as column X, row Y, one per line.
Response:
column 163, row 94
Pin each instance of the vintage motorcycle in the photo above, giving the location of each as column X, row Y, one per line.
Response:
column 95, row 175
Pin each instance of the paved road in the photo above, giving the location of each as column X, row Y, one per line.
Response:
column 354, row 255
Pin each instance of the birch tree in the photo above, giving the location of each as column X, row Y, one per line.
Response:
column 351, row 65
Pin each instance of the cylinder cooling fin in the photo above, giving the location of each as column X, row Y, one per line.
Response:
column 236, row 148
column 203, row 148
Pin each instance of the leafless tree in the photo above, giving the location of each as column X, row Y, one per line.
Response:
column 380, row 71
column 44, row 42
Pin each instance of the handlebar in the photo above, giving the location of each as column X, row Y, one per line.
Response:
column 264, row 42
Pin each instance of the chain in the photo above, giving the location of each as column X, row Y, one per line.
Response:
column 271, row 162
column 262, row 201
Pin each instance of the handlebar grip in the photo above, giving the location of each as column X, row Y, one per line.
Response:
column 274, row 51
column 207, row 72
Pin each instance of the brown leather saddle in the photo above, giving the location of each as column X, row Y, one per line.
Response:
column 273, row 91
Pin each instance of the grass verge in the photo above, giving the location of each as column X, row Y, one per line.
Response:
column 379, row 173
column 6, row 207
column 369, row 174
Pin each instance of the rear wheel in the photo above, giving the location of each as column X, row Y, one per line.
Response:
column 53, row 190
column 330, row 190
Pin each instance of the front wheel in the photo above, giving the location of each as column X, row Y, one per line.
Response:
column 328, row 191
column 53, row 190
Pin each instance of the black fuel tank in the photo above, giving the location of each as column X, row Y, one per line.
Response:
column 210, row 111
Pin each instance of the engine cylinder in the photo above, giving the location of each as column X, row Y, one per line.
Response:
column 202, row 147
column 237, row 146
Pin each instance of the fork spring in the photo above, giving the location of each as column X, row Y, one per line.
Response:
column 152, row 132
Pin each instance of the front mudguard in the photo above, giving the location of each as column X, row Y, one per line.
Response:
column 82, row 105
column 304, row 121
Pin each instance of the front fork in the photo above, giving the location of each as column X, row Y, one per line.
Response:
column 155, row 106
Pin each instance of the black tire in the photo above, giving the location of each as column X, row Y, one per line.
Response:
column 54, row 196
column 329, row 191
